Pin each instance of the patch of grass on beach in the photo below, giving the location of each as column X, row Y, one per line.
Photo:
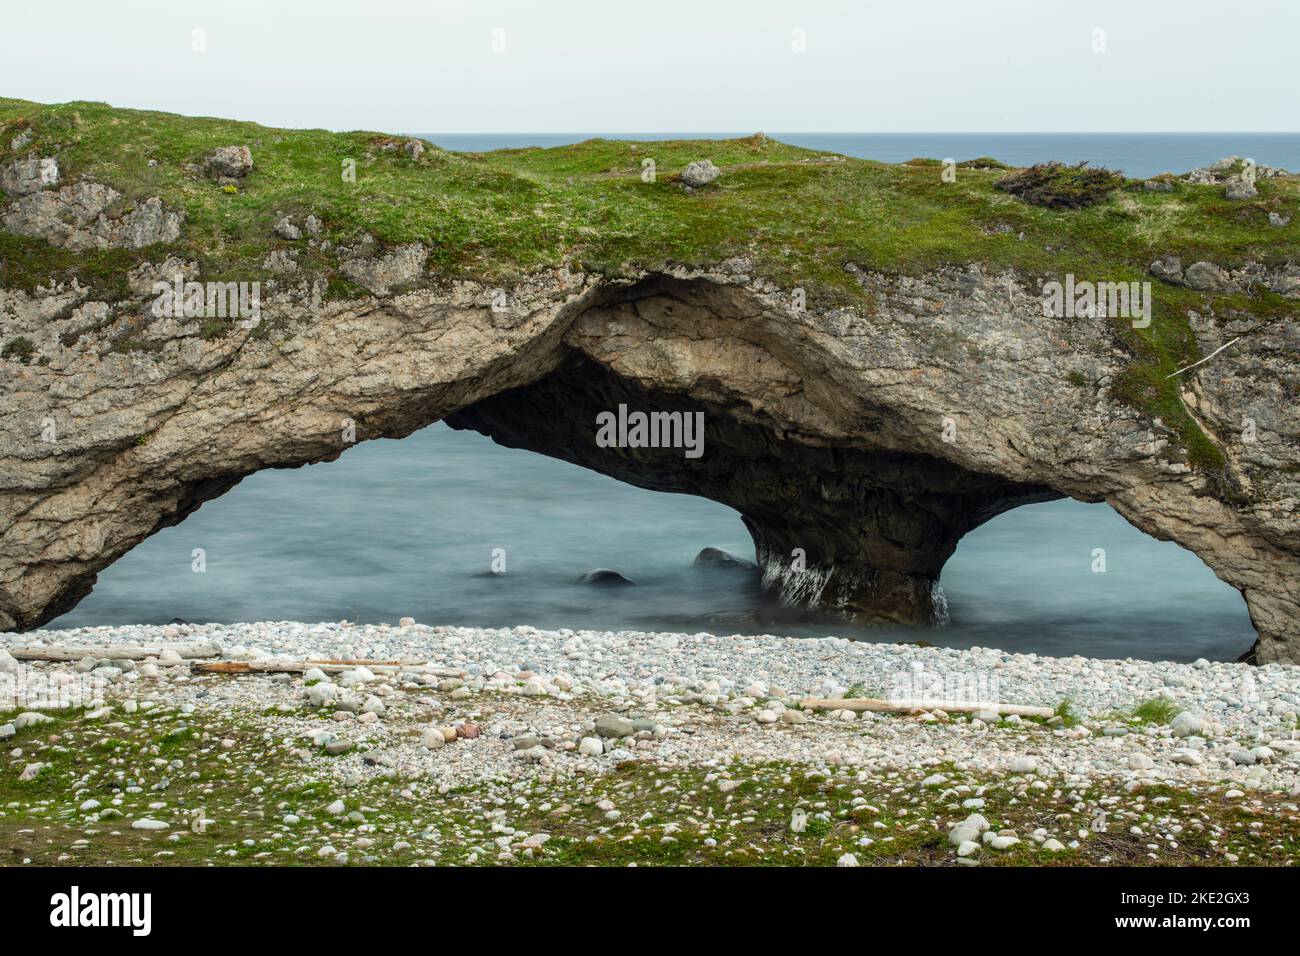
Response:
column 239, row 772
column 1157, row 710
column 1066, row 711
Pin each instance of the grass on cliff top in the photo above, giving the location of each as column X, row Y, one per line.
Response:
column 801, row 215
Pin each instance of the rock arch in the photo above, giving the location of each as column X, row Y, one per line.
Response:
column 870, row 440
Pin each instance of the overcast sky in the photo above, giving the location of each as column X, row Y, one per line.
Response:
column 671, row 65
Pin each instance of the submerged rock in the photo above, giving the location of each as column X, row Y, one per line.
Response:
column 717, row 558
column 604, row 577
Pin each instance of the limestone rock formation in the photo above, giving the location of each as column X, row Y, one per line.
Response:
column 859, row 438
column 81, row 216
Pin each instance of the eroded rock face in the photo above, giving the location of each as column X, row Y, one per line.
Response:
column 83, row 214
column 869, row 441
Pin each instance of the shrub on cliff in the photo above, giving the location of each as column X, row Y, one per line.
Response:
column 1058, row 186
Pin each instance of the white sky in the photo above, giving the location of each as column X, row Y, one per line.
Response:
column 671, row 65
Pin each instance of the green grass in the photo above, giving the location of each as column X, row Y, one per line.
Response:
column 1066, row 711
column 1158, row 710
column 246, row 778
column 801, row 216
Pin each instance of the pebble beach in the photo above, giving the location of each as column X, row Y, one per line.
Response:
column 478, row 746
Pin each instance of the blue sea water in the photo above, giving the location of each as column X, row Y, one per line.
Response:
column 410, row 527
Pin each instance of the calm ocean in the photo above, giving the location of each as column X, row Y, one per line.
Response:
column 408, row 527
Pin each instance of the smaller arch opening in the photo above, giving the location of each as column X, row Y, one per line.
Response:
column 1067, row 577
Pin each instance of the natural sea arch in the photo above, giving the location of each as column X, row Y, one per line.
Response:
column 415, row 526
column 827, row 431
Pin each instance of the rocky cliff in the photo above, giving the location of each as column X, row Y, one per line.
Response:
column 184, row 302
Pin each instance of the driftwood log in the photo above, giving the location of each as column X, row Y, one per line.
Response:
column 121, row 653
column 912, row 706
column 327, row 666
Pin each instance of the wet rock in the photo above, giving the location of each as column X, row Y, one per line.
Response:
column 722, row 560
column 604, row 577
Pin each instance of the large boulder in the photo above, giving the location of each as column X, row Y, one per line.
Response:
column 229, row 162
column 700, row 173
column 1239, row 189
column 1206, row 277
